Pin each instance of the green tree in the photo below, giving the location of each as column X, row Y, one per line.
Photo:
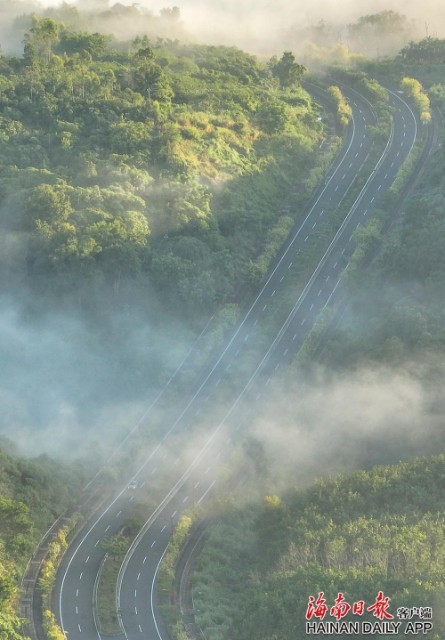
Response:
column 43, row 35
column 288, row 71
column 50, row 204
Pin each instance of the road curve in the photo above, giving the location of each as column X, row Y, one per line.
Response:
column 254, row 363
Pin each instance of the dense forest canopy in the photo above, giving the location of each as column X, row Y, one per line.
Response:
column 110, row 159
column 376, row 530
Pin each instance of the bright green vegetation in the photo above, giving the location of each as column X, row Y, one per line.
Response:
column 33, row 493
column 166, row 577
column 138, row 168
column 381, row 529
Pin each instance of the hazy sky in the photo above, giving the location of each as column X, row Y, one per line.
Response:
column 277, row 13
column 268, row 27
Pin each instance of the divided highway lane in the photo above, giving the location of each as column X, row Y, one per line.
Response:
column 327, row 279
column 78, row 574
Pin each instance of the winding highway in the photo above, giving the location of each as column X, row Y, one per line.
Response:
column 244, row 369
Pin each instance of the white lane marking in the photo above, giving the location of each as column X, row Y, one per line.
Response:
column 327, row 278
column 285, row 352
column 139, row 576
column 265, row 307
column 311, row 307
column 361, row 145
column 392, row 164
column 140, row 628
column 386, row 174
column 314, row 225
column 282, row 278
column 350, row 165
column 185, row 499
column 144, row 560
column 196, row 485
column 365, row 212
column 290, row 264
column 306, row 238
column 343, row 176
column 118, row 514
column 153, row 544
column 135, row 593
column 163, row 528
column 319, row 293
column 356, row 155
column 277, row 367
column 80, row 578
column 77, row 611
column 219, row 379
column 335, row 265
column 144, row 482
column 373, row 198
column 204, row 494
column 237, row 352
column 131, row 499
column 174, row 513
column 302, row 322
column 136, row 610
column 107, row 528
column 321, row 213
column 404, row 133
column 336, row 188
column 87, row 559
column 97, row 542
column 77, row 593
column 153, row 471
column 80, row 628
column 256, row 319
column 379, row 187
column 207, row 470
column 295, row 335
column 273, row 293
column 350, row 237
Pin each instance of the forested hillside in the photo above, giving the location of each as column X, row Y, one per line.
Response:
column 144, row 186
column 376, row 530
column 33, row 493
column 163, row 166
